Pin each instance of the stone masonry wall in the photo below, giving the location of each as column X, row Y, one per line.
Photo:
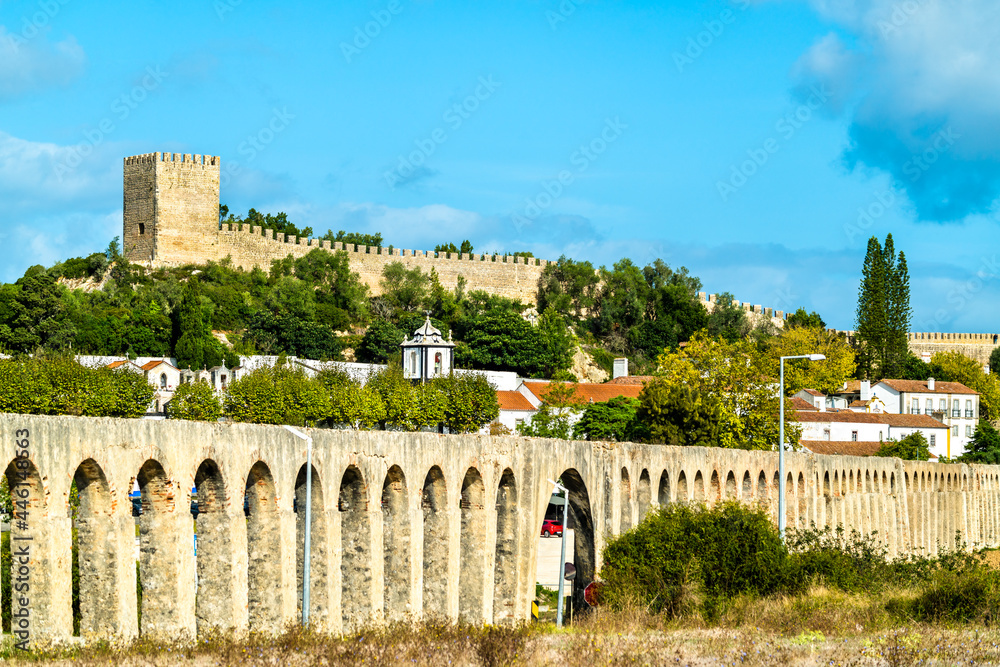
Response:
column 403, row 524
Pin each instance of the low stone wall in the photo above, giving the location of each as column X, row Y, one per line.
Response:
column 403, row 524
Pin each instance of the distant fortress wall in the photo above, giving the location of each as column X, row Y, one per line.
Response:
column 756, row 313
column 171, row 218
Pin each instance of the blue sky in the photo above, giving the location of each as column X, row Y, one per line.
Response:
column 757, row 143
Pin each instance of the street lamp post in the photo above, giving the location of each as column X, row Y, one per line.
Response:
column 781, row 436
column 307, row 556
column 562, row 555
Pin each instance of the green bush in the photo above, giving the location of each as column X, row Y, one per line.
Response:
column 195, row 401
column 278, row 395
column 683, row 558
column 61, row 386
column 966, row 595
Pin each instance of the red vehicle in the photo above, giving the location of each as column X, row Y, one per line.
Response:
column 551, row 527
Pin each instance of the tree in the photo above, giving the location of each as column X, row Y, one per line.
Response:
column 679, row 415
column 995, row 361
column 827, row 376
column 800, row 318
column 380, row 343
column 728, row 320
column 471, row 401
column 278, row 395
column 569, row 287
column 956, row 367
column 984, row 447
column 611, row 420
column 195, row 401
column 742, row 378
column 554, row 416
column 909, row 448
column 190, row 347
column 465, row 249
column 504, row 341
column 883, row 313
column 404, row 289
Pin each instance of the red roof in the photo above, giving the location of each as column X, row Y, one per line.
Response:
column 842, row 447
column 847, row 416
column 587, row 393
column 117, row 364
column 148, row 366
column 813, row 392
column 632, row 379
column 803, row 404
column 920, row 387
column 513, row 400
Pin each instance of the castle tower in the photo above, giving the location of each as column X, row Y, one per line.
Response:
column 171, row 208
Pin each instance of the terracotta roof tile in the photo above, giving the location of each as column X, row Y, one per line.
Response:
column 813, row 392
column 587, row 393
column 513, row 400
column 842, row 447
column 848, row 416
column 117, row 364
column 150, row 365
column 920, row 387
column 803, row 404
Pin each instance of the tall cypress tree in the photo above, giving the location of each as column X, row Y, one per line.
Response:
column 190, row 347
column 883, row 314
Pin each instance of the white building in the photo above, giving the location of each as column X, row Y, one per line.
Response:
column 861, row 427
column 951, row 403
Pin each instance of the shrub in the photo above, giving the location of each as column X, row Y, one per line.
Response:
column 971, row 594
column 681, row 553
column 195, row 401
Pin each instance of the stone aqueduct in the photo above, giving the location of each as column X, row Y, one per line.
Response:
column 404, row 524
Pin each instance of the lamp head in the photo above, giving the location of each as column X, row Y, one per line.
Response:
column 817, row 357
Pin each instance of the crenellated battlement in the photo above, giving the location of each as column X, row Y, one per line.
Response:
column 176, row 158
column 376, row 251
column 754, row 311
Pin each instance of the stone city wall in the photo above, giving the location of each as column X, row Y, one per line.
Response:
column 403, row 524
column 976, row 346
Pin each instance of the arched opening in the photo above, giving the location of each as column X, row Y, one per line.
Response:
column 868, row 481
column 609, row 505
column 663, row 493
column 747, row 487
column 356, row 557
column 395, row 545
column 625, row 496
column 826, row 484
column 95, row 554
column 319, row 602
column 157, row 570
column 761, row 487
column 263, row 550
column 715, row 495
column 699, row 487
column 434, row 506
column 836, row 482
column 850, row 483
column 731, row 486
column 645, row 494
column 163, row 380
column 860, row 487
column 471, row 572
column 790, row 504
column 682, row 488
column 213, row 550
column 583, row 534
column 802, row 501
column 505, row 570
column 27, row 500
column 885, row 482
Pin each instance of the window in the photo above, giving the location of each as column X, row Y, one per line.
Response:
column 142, row 229
column 969, row 413
column 915, row 406
column 163, row 380
column 854, row 436
column 933, row 439
column 437, row 363
column 413, row 362
column 956, row 408
column 954, row 430
column 968, row 431
column 943, row 404
column 929, row 405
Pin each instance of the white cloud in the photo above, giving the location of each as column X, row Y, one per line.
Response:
column 29, row 62
column 916, row 67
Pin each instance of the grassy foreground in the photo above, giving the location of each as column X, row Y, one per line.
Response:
column 821, row 627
